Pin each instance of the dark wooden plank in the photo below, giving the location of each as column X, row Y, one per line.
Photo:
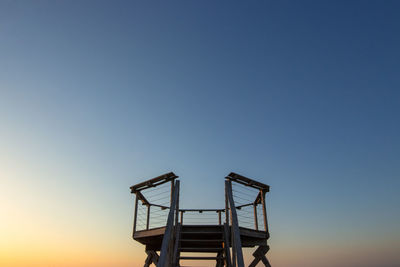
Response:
column 149, row 233
column 247, row 181
column 244, row 205
column 160, row 206
column 253, row 233
column 142, row 198
column 199, row 258
column 154, row 182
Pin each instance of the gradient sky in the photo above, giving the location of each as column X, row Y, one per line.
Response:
column 96, row 96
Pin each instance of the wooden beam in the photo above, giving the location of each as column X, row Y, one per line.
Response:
column 160, row 206
column 154, row 182
column 259, row 255
column 142, row 198
column 152, row 257
column 258, row 198
column 159, row 231
column 202, row 210
column 148, row 261
column 244, row 205
column 247, row 181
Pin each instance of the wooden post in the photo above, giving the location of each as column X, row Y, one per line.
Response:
column 181, row 217
column 219, row 217
column 148, row 217
column 262, row 193
column 236, row 242
column 172, row 191
column 166, row 251
column 175, row 259
column 226, row 207
column 135, row 217
column 177, row 204
column 227, row 246
column 152, row 257
column 255, row 216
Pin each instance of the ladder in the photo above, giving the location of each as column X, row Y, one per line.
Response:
column 201, row 239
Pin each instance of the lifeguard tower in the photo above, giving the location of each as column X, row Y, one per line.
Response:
column 173, row 235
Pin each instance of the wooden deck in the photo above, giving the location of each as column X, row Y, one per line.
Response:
column 193, row 235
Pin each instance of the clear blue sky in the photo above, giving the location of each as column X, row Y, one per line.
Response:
column 302, row 95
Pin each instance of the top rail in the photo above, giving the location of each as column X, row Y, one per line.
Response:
column 154, row 182
column 247, row 181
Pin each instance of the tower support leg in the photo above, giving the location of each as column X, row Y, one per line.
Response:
column 152, row 257
column 220, row 260
column 259, row 255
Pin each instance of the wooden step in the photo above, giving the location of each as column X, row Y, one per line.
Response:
column 200, row 258
column 202, row 240
column 204, row 250
column 204, row 232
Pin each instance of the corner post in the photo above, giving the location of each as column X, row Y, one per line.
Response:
column 255, row 216
column 148, row 217
column 262, row 193
column 135, row 216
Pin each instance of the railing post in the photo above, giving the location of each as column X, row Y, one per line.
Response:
column 226, row 206
column 181, row 217
column 255, row 216
column 172, row 191
column 135, row 216
column 177, row 203
column 219, row 217
column 262, row 193
column 148, row 217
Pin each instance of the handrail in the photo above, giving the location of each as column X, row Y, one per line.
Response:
column 237, row 253
column 167, row 248
column 150, row 218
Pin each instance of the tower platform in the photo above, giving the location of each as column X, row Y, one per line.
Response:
column 174, row 235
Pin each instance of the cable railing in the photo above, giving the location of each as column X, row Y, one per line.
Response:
column 249, row 206
column 202, row 216
column 154, row 200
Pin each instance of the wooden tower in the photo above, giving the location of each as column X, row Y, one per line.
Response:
column 173, row 235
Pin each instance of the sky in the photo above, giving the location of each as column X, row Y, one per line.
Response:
column 96, row 96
